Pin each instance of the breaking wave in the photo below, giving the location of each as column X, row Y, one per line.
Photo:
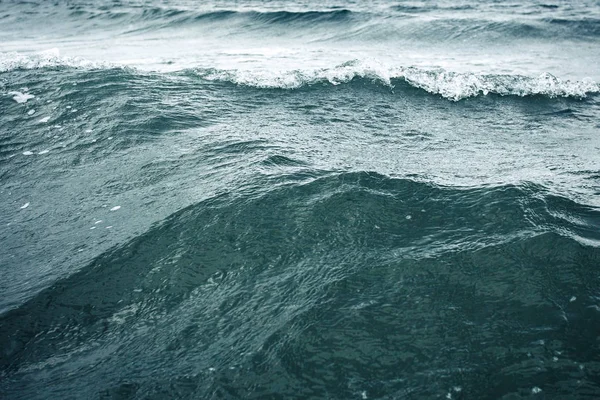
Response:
column 450, row 85
column 47, row 59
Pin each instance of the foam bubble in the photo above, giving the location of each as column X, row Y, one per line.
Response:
column 28, row 153
column 31, row 112
column 20, row 97
column 44, row 151
column 98, row 222
column 44, row 120
column 115, row 208
column 24, row 206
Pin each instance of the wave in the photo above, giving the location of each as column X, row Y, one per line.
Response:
column 450, row 85
column 47, row 59
column 164, row 17
column 309, row 231
column 439, row 22
column 364, row 25
column 279, row 17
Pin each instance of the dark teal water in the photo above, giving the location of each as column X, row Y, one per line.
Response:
column 313, row 201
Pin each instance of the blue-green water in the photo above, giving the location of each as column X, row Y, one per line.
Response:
column 311, row 200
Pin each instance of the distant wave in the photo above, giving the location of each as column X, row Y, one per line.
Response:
column 173, row 17
column 280, row 16
column 370, row 25
column 450, row 85
column 406, row 21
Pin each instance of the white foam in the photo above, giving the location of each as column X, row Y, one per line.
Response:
column 98, row 222
column 457, row 86
column 20, row 97
column 24, row 206
column 49, row 58
column 28, row 153
column 31, row 112
column 44, row 151
column 44, row 120
column 450, row 85
column 536, row 390
column 115, row 208
column 572, row 299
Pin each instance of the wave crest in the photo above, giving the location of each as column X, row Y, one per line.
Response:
column 46, row 59
column 450, row 85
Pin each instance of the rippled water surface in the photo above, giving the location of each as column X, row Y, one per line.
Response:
column 311, row 200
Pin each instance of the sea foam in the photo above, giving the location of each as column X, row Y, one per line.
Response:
column 46, row 59
column 450, row 85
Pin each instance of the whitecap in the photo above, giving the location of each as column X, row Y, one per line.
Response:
column 450, row 85
column 21, row 97
column 50, row 58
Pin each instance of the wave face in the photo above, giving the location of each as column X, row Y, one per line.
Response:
column 243, row 293
column 328, row 200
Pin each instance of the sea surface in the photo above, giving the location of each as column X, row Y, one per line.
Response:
column 306, row 199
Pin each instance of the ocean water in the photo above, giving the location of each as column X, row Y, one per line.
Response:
column 328, row 199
